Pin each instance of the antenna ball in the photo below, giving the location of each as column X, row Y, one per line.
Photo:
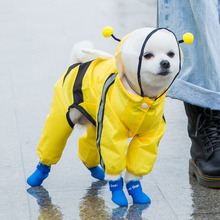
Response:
column 107, row 31
column 188, row 38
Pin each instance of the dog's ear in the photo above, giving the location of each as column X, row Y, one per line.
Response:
column 98, row 53
column 181, row 57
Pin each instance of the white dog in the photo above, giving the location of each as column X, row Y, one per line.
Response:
column 117, row 97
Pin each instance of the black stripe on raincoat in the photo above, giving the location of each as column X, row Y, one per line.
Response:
column 69, row 70
column 77, row 88
column 69, row 120
column 77, row 92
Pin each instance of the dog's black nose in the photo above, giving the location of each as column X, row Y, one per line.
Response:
column 165, row 64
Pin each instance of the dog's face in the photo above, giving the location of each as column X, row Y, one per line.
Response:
column 160, row 61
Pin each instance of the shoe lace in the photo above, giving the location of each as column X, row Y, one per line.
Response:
column 208, row 127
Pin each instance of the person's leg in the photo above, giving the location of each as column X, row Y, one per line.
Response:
column 199, row 80
column 198, row 84
column 203, row 122
column 219, row 11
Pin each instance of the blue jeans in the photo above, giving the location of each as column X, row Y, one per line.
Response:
column 199, row 79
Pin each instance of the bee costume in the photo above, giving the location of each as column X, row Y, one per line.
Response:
column 95, row 89
column 115, row 114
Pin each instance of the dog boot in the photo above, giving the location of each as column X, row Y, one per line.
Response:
column 135, row 190
column 118, row 195
column 97, row 172
column 39, row 175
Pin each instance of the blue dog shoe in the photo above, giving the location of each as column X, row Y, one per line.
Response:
column 39, row 175
column 118, row 195
column 97, row 172
column 135, row 190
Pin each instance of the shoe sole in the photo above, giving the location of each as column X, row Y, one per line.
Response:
column 207, row 181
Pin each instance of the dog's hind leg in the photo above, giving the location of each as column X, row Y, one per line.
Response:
column 89, row 154
column 77, row 117
column 57, row 129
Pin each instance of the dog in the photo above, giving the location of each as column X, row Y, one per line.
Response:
column 116, row 98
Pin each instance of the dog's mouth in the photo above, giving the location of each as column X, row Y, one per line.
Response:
column 163, row 73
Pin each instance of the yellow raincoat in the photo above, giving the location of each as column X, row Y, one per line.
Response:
column 115, row 114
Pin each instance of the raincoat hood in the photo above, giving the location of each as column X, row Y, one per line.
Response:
column 131, row 50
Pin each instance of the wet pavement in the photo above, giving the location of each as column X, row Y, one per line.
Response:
column 36, row 39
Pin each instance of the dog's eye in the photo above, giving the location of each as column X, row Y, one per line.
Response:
column 148, row 55
column 171, row 54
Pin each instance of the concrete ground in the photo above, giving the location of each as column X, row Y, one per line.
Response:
column 36, row 39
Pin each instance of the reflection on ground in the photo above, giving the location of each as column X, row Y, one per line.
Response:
column 91, row 207
column 48, row 211
column 205, row 201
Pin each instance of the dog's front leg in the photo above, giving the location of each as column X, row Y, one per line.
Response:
column 116, row 184
column 134, row 188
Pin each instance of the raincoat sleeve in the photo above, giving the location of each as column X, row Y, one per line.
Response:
column 142, row 151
